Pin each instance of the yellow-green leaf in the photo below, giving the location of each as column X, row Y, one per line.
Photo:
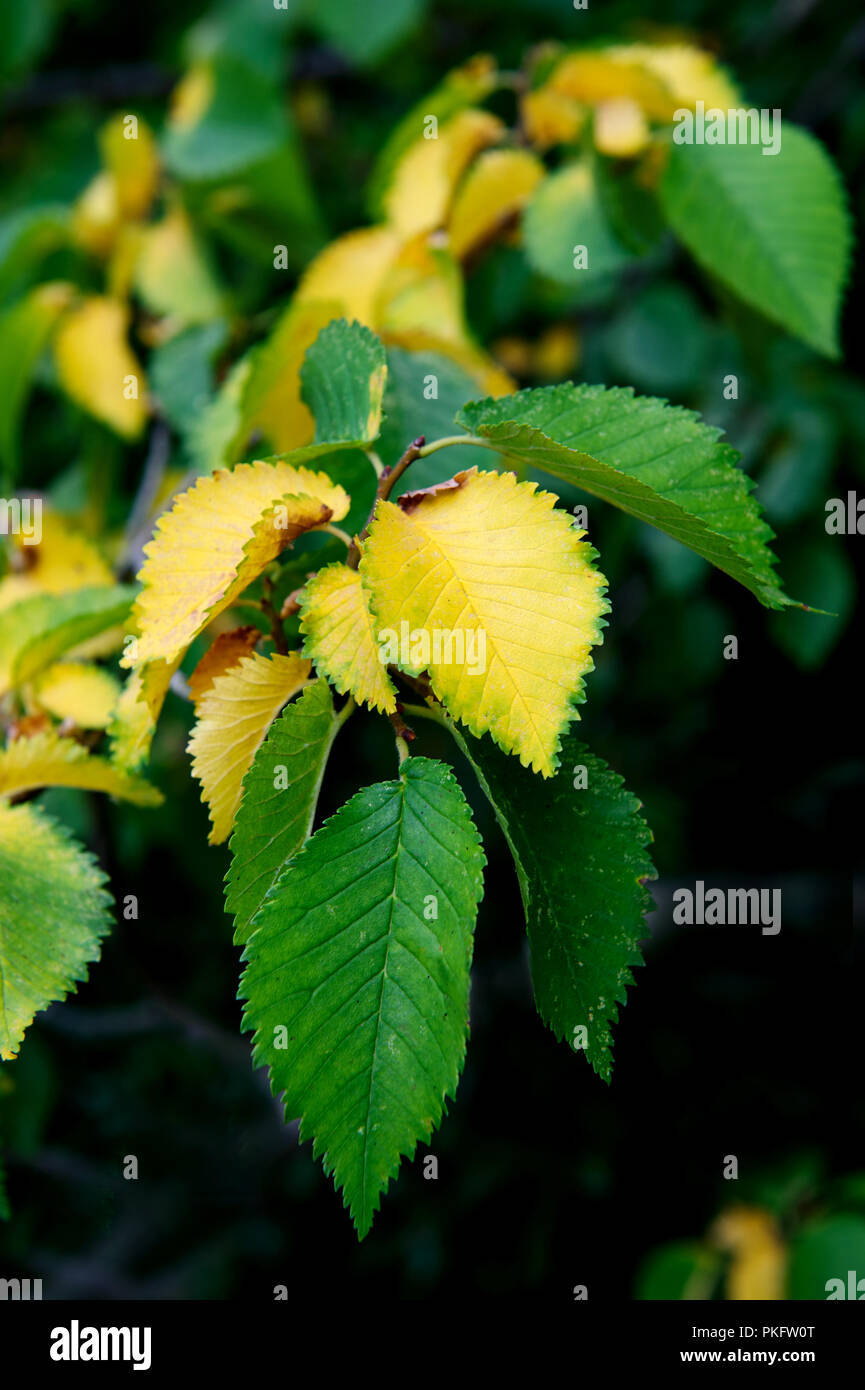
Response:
column 54, row 911
column 340, row 637
column 137, row 710
column 172, row 273
column 489, row 588
column 49, row 760
column 233, row 717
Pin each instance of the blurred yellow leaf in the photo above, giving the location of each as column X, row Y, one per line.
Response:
column 172, row 274
column 96, row 215
column 689, row 74
column 340, row 638
column 422, row 291
column 133, row 720
column 758, row 1267
column 96, row 366
column 215, row 540
column 78, row 691
column 609, row 74
column 552, row 357
column 233, row 717
column 620, row 128
column 271, row 398
column 349, row 272
column 63, row 560
column 551, row 118
column 493, row 191
column 192, row 97
column 423, row 182
column 49, row 760
column 509, row 586
column 130, row 157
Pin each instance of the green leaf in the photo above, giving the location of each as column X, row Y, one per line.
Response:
column 581, row 861
column 27, row 235
column 54, row 911
column 826, row 1250
column 566, row 212
column 215, row 439
column 24, row 332
column 658, row 462
column 773, row 228
column 181, row 373
column 358, row 994
column 368, row 33
column 244, row 122
column 660, row 340
column 342, row 381
column 38, row 630
column 25, row 31
column 680, row 1270
column 808, row 638
column 277, row 810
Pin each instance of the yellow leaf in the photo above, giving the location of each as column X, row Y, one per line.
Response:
column 340, row 638
column 349, row 272
column 234, row 716
column 689, row 74
column 130, row 156
column 551, row 118
column 97, row 368
column 62, row 560
column 758, row 1266
column 172, row 274
column 271, row 400
column 223, row 653
column 215, row 540
column 611, row 74
column 49, row 760
column 96, row 215
column 422, row 291
column 137, row 710
column 620, row 128
column 424, row 180
column 493, row 191
column 509, row 600
column 78, row 691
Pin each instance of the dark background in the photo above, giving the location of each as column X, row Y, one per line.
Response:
column 750, row 772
